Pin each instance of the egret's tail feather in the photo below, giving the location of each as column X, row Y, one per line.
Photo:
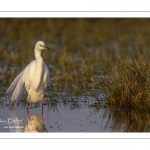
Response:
column 12, row 86
column 17, row 88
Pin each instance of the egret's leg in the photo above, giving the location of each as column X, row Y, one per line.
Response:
column 28, row 102
column 28, row 113
column 42, row 101
column 42, row 107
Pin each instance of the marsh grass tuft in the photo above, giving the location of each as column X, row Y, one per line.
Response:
column 128, row 85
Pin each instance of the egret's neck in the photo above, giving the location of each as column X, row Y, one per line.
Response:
column 37, row 53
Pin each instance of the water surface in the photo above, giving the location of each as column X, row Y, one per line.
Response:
column 74, row 114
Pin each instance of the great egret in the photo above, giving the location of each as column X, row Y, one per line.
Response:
column 32, row 80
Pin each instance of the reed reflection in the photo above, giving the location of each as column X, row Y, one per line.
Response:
column 126, row 120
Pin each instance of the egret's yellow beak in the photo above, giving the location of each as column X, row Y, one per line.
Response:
column 45, row 46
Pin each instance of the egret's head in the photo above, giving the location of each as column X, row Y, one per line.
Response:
column 41, row 46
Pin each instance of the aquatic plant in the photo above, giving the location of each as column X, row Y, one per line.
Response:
column 128, row 85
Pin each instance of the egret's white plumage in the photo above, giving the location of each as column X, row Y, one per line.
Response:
column 33, row 79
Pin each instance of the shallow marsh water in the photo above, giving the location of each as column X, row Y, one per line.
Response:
column 74, row 114
column 62, row 120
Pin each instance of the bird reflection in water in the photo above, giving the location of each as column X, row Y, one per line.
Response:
column 41, row 114
column 35, row 123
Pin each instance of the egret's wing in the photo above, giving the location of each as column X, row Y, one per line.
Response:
column 46, row 75
column 17, row 88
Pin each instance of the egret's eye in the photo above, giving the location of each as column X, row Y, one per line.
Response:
column 41, row 45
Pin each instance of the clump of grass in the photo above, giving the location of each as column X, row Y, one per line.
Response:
column 128, row 85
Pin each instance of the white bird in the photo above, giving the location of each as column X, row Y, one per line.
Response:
column 32, row 80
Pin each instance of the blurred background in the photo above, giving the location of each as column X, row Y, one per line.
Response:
column 81, row 47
